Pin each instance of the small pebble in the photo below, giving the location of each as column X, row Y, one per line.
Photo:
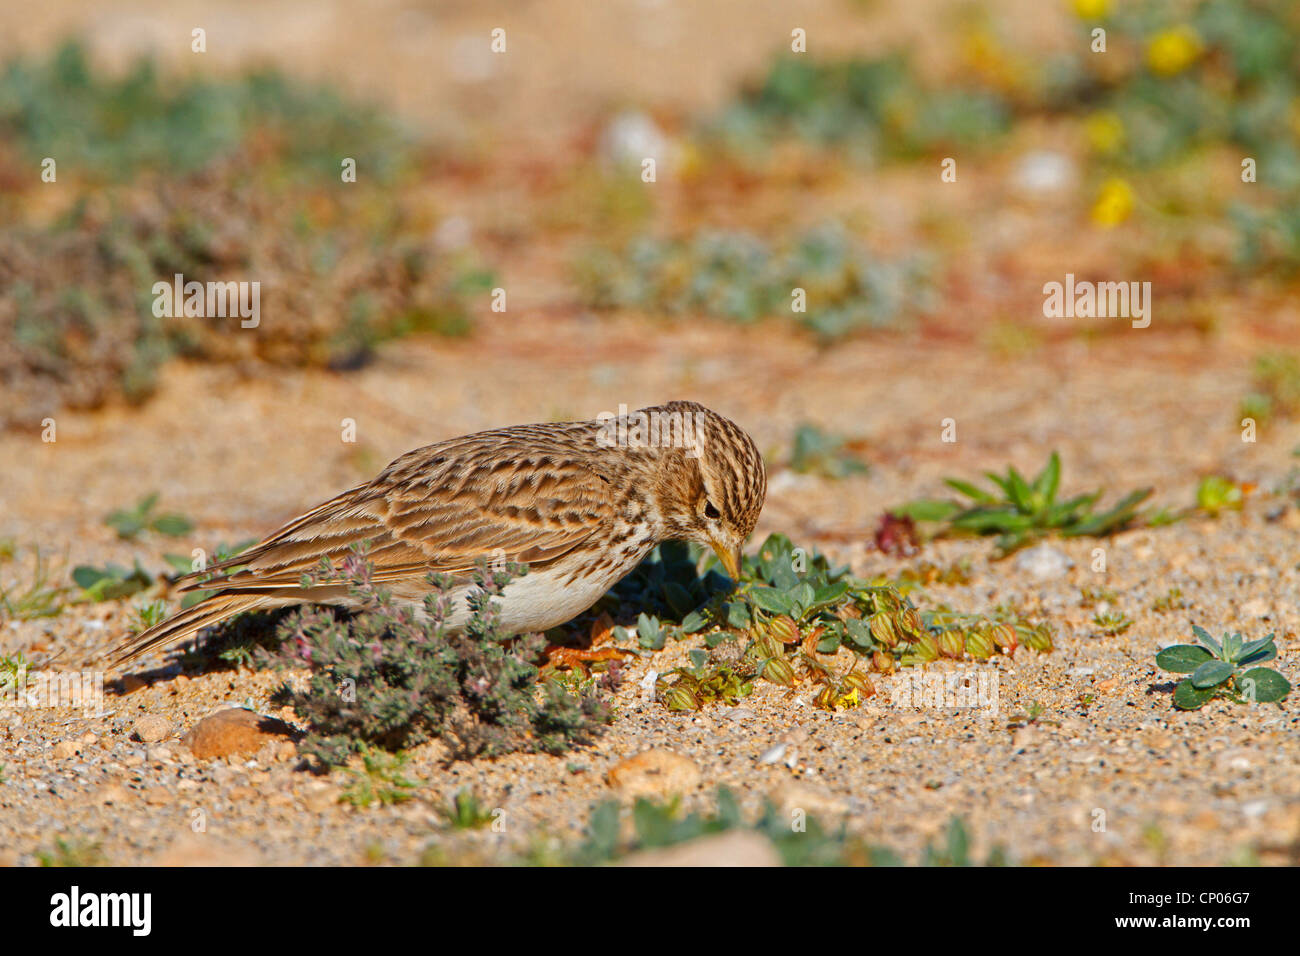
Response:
column 151, row 728
column 65, row 749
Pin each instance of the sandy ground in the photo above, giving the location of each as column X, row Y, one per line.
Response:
column 241, row 455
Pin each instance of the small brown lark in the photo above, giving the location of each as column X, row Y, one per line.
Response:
column 579, row 503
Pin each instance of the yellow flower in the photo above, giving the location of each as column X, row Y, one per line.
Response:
column 1105, row 132
column 1091, row 9
column 1114, row 203
column 1174, row 50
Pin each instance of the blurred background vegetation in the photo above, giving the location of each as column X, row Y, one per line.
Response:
column 816, row 170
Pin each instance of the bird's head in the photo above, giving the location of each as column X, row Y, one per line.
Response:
column 713, row 482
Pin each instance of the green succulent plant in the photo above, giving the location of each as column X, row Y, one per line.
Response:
column 27, row 597
column 1019, row 511
column 689, row 688
column 1223, row 669
column 110, row 582
column 1112, row 623
column 740, row 276
column 380, row 780
column 818, row 452
column 1216, row 493
column 823, row 842
column 128, row 523
column 793, row 605
column 466, row 811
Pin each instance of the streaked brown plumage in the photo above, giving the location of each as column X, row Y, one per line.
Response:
column 579, row 503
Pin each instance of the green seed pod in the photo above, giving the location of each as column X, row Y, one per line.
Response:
column 859, row 682
column 979, row 645
column 766, row 646
column 908, row 622
column 883, row 662
column 679, row 698
column 1004, row 637
column 952, row 644
column 1040, row 639
column 783, row 629
column 825, row 698
column 883, row 630
column 779, row 671
column 926, row 648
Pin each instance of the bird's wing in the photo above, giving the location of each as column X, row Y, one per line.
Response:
column 441, row 508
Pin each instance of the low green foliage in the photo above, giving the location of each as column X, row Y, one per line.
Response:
column 873, row 108
column 689, row 688
column 1092, row 596
column 1020, row 511
column 1223, row 669
column 83, row 323
column 656, row 825
column 1206, row 71
column 792, row 610
column 1216, row 493
column 650, row 632
column 1163, row 516
column 1033, row 713
column 818, row 452
column 385, row 678
column 955, row 849
column 113, row 128
column 1171, row 600
column 72, row 853
column 1184, row 82
column 380, row 780
column 1277, row 387
column 145, row 616
column 1193, row 76
column 738, row 276
column 215, row 179
column 466, row 812
column 28, row 597
column 1112, row 623
column 11, row 667
column 110, row 583
column 131, row 523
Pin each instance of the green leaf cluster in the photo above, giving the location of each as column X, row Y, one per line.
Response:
column 818, row 452
column 386, row 677
column 657, row 825
column 1228, row 668
column 111, row 582
column 1019, row 510
column 129, row 523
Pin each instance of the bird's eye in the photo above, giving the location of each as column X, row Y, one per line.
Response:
column 711, row 512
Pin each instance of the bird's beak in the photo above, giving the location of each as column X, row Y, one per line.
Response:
column 730, row 558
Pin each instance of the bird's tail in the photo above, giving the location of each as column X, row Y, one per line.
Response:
column 179, row 626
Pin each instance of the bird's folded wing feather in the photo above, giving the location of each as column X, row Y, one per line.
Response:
column 428, row 512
